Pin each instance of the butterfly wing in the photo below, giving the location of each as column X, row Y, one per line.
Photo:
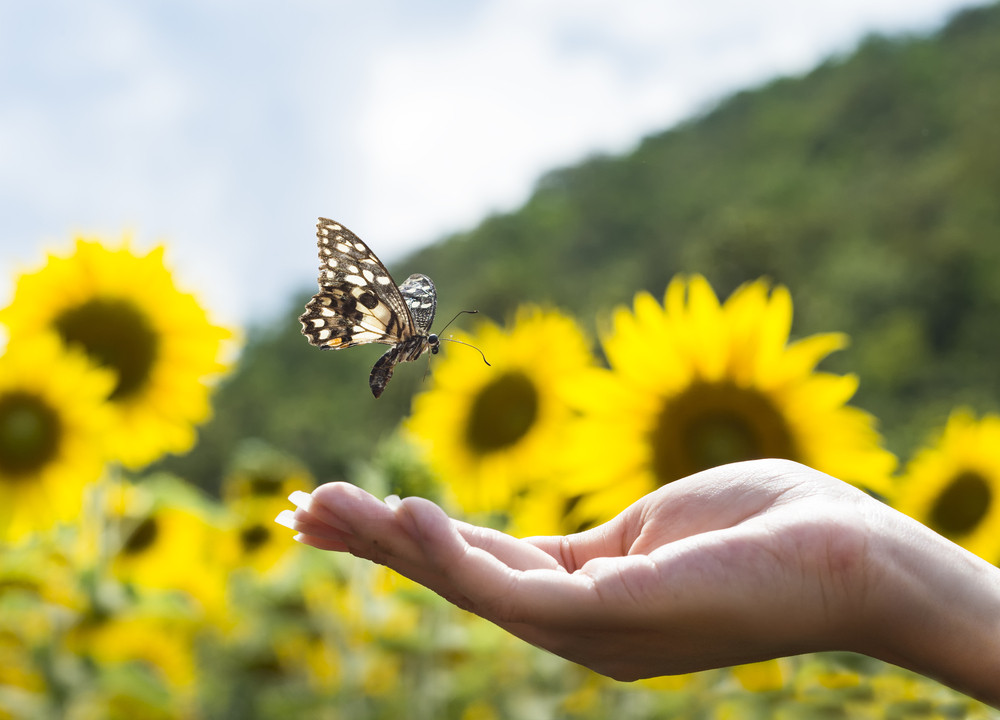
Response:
column 358, row 301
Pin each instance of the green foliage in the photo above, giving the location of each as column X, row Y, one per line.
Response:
column 869, row 187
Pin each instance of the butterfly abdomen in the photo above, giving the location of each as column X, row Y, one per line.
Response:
column 406, row 351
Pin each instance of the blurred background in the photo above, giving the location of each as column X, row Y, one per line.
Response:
column 559, row 155
column 229, row 127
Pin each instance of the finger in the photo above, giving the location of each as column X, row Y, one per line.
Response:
column 382, row 533
column 512, row 552
column 480, row 581
column 322, row 543
column 612, row 539
column 303, row 501
column 421, row 542
column 302, row 522
column 312, row 532
column 368, row 525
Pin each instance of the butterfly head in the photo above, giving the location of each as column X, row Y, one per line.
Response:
column 434, row 342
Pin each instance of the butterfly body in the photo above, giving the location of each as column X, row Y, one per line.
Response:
column 359, row 303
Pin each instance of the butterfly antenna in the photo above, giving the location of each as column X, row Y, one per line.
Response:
column 463, row 312
column 460, row 312
column 471, row 346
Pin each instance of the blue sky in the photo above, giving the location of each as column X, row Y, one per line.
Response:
column 225, row 128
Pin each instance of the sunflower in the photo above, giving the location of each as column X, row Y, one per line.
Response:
column 125, row 312
column 694, row 384
column 255, row 541
column 260, row 473
column 173, row 545
column 52, row 420
column 953, row 484
column 255, row 490
column 491, row 432
column 161, row 642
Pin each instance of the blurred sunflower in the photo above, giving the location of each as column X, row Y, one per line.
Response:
column 763, row 676
column 818, row 677
column 125, row 312
column 175, row 547
column 256, row 542
column 694, row 384
column 492, row 432
column 48, row 584
column 18, row 673
column 52, row 420
column 953, row 485
column 163, row 643
column 255, row 490
column 305, row 651
column 262, row 473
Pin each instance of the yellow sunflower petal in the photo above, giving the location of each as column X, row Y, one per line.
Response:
column 775, row 324
column 804, row 355
column 704, row 332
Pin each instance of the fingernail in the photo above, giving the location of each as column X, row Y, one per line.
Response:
column 393, row 501
column 286, row 518
column 301, row 500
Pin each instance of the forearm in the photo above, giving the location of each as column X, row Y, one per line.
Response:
column 936, row 610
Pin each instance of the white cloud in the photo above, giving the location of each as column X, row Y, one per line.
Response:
column 459, row 123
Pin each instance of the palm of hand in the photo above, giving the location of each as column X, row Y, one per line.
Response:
column 732, row 565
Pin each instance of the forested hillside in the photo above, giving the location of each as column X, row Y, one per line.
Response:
column 870, row 187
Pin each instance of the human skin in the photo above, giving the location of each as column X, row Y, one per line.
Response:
column 740, row 563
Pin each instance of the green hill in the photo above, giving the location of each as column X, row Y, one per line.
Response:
column 869, row 186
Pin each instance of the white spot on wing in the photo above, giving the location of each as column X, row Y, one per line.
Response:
column 367, row 336
column 383, row 313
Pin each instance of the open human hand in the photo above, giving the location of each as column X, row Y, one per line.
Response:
column 739, row 563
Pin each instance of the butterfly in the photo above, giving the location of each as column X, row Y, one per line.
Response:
column 359, row 303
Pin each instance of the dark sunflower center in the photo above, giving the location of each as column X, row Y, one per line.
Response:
column 502, row 413
column 263, row 485
column 116, row 334
column 962, row 505
column 712, row 424
column 253, row 537
column 30, row 434
column 142, row 537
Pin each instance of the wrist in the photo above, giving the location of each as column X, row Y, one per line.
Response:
column 934, row 608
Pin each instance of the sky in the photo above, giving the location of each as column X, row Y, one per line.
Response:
column 223, row 128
